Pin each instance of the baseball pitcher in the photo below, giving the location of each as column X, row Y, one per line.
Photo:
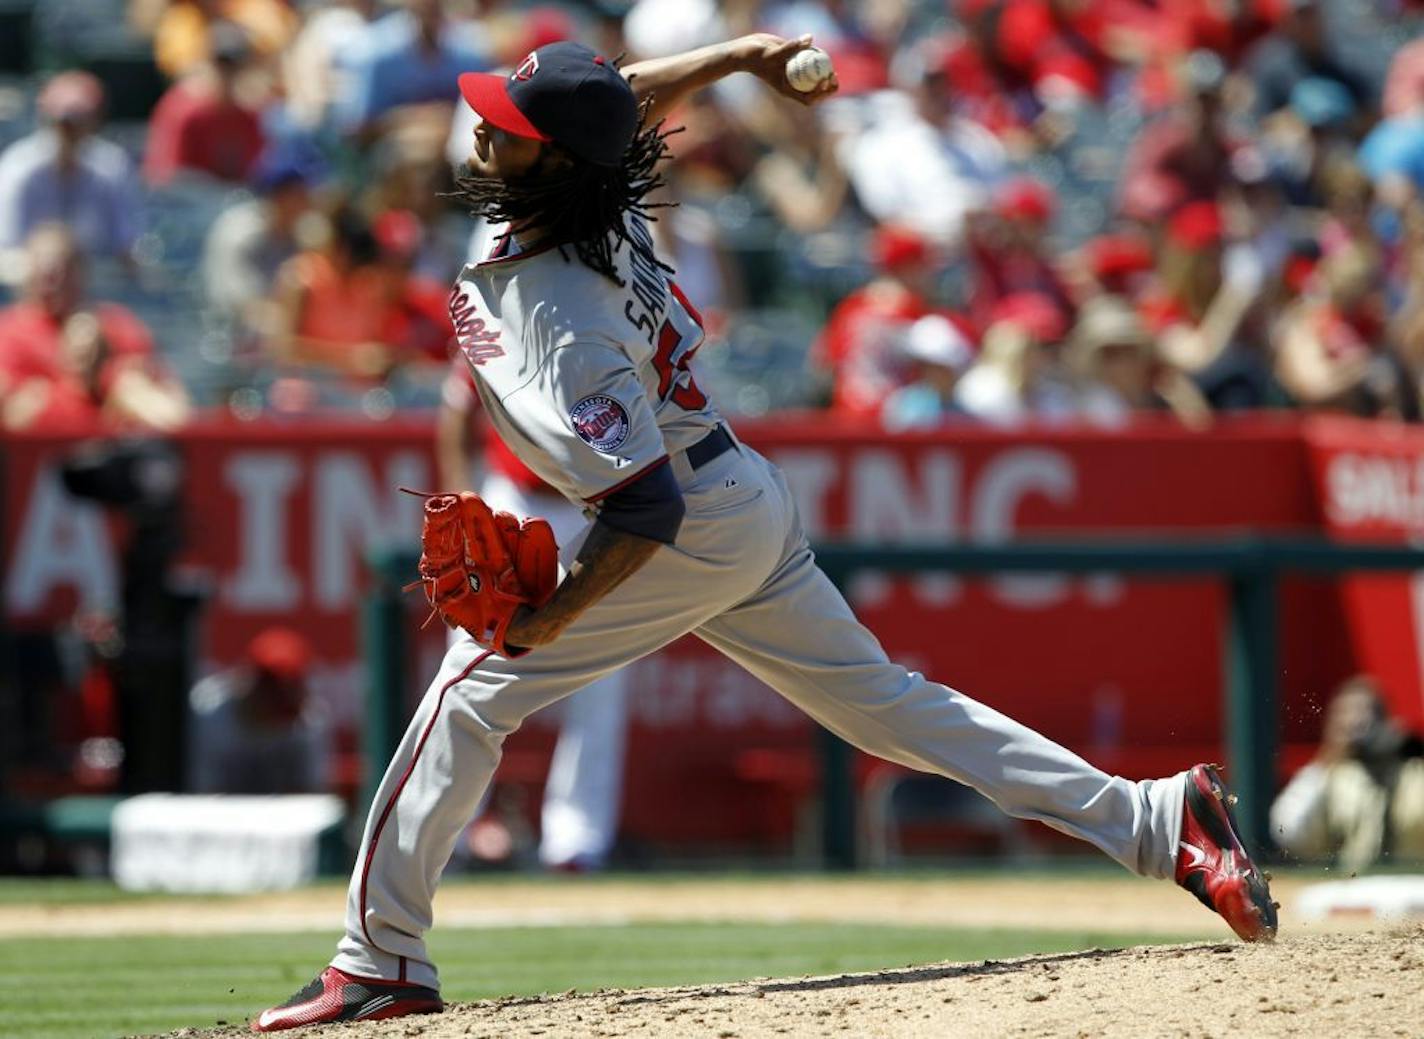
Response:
column 581, row 345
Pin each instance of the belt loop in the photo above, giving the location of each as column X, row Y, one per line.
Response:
column 687, row 461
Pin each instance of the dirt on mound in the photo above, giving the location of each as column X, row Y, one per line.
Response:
column 1344, row 984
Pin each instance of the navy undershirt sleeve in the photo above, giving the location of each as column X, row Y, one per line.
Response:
column 650, row 506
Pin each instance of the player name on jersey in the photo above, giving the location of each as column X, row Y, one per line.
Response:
column 648, row 284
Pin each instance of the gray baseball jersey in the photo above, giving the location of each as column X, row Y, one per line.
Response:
column 590, row 384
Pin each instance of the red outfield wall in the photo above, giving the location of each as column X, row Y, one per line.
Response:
column 1128, row 673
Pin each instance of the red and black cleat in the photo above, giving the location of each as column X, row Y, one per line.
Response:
column 1212, row 862
column 335, row 995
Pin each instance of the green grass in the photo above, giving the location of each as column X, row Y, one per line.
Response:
column 62, row 891
column 93, row 988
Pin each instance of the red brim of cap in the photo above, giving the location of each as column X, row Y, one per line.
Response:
column 488, row 95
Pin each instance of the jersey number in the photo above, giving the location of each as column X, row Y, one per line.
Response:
column 685, row 393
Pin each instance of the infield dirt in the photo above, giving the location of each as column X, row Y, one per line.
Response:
column 1368, row 984
column 1316, row 981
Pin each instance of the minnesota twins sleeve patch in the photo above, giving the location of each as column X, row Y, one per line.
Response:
column 601, row 422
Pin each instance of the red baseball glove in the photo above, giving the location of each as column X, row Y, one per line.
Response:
column 478, row 566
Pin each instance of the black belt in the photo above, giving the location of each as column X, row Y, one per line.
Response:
column 715, row 443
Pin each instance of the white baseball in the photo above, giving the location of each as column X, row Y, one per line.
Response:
column 808, row 69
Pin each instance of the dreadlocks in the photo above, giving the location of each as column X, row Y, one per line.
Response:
column 577, row 204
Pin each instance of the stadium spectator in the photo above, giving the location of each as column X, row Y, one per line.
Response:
column 255, row 728
column 1057, row 46
column 979, row 92
column 1297, row 48
column 713, row 160
column 1198, row 315
column 1043, row 55
column 1392, row 153
column 1117, row 263
column 913, row 161
column 1157, row 37
column 1262, row 223
column 1111, row 353
column 1361, row 799
column 941, row 353
column 185, row 34
column 1226, row 29
column 1019, row 376
column 64, row 360
column 1405, row 333
column 249, row 242
column 1328, row 341
column 352, row 305
column 1310, row 135
column 657, row 28
column 409, row 59
column 1184, row 157
column 798, row 174
column 1404, row 84
column 1008, row 247
column 1349, row 199
column 203, row 124
column 860, row 344
column 512, row 32
column 316, row 68
column 65, row 173
column 409, row 174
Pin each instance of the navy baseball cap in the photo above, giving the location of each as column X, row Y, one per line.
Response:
column 564, row 93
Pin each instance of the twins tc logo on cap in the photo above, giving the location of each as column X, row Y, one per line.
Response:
column 561, row 92
column 601, row 422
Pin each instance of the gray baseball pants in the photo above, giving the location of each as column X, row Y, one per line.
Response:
column 584, row 788
column 742, row 578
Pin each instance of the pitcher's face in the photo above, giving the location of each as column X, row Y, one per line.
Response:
column 501, row 155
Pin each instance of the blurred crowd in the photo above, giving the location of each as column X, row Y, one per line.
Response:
column 1014, row 210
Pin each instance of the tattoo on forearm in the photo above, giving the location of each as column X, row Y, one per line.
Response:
column 611, row 554
column 608, row 558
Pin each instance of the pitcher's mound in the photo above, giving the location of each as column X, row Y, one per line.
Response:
column 1345, row 984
